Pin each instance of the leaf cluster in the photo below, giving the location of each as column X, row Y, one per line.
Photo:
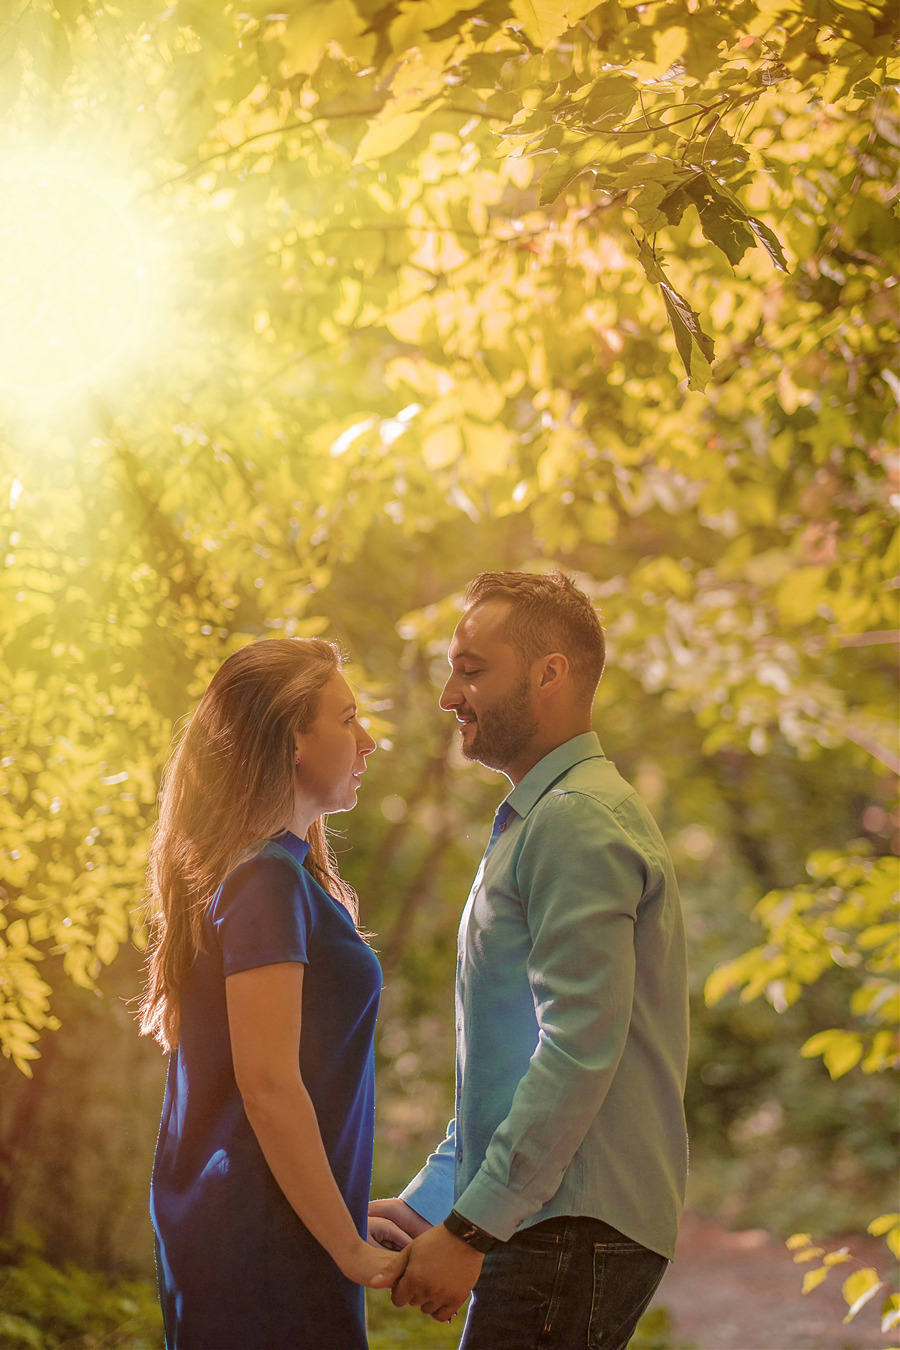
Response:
column 860, row 1287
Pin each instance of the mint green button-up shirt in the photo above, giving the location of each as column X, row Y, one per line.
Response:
column 572, row 1023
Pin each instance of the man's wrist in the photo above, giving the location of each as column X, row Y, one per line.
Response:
column 469, row 1233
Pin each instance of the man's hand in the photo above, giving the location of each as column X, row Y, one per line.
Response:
column 384, row 1233
column 440, row 1273
column 400, row 1213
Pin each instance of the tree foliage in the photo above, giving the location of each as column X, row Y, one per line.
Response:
column 424, row 288
column 846, row 918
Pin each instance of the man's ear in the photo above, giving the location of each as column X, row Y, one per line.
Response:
column 554, row 670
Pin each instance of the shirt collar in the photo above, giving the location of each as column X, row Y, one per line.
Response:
column 526, row 794
column 298, row 848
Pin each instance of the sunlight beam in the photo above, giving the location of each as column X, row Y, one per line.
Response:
column 71, row 278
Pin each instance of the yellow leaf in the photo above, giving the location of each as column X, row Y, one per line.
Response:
column 669, row 43
column 812, row 1278
column 416, row 17
column 858, row 1288
column 798, row 1240
column 841, row 1050
column 800, row 594
column 491, row 448
column 888, row 1226
column 17, row 934
column 721, row 982
column 442, row 446
column 542, row 20
column 890, row 1313
column 387, row 132
column 409, row 323
column 106, row 947
column 312, row 28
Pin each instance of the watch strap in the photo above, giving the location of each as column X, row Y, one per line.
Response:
column 469, row 1232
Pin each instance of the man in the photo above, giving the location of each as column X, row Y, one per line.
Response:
column 557, row 1192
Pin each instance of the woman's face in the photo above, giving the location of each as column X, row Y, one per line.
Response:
column 332, row 755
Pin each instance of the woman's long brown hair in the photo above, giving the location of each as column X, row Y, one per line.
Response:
column 227, row 787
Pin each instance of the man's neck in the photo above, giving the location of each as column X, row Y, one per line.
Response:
column 539, row 747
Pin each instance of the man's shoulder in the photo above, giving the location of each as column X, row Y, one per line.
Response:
column 592, row 802
column 595, row 781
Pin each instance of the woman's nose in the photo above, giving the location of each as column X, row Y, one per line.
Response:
column 368, row 745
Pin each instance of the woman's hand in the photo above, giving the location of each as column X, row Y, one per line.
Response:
column 385, row 1234
column 367, row 1262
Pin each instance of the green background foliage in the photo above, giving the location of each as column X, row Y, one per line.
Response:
column 405, row 291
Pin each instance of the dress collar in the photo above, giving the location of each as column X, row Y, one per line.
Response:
column 298, row 848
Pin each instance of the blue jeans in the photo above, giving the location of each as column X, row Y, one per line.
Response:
column 564, row 1284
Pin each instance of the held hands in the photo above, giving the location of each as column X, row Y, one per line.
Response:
column 400, row 1213
column 369, row 1261
column 387, row 1235
column 436, row 1273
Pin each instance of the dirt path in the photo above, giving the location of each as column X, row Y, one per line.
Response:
column 741, row 1291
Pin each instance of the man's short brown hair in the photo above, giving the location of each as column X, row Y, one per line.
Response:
column 547, row 613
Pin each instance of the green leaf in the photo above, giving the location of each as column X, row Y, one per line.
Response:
column 694, row 347
column 721, row 223
column 568, row 164
column 769, row 241
column 613, row 96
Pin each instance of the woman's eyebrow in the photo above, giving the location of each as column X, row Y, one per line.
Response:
column 351, row 707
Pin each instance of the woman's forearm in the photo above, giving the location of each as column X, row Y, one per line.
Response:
column 284, row 1121
column 264, row 1019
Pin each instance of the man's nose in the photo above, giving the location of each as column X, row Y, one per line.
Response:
column 450, row 695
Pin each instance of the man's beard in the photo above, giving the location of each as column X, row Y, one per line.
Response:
column 503, row 732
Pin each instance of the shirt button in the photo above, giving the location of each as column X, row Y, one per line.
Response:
column 459, row 1154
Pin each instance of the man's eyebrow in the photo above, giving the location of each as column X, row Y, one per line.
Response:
column 466, row 655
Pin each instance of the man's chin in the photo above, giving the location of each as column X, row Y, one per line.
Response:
column 477, row 754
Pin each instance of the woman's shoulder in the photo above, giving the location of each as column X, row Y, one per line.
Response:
column 272, row 871
column 263, row 912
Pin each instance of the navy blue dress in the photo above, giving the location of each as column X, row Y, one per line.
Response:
column 237, row 1268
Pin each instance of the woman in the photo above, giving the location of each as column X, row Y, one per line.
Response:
column 265, row 994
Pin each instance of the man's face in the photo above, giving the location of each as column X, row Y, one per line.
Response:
column 489, row 689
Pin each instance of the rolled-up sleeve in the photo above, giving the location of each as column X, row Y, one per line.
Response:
column 579, row 879
column 430, row 1193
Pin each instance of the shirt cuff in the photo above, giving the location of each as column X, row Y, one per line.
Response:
column 492, row 1207
column 430, row 1193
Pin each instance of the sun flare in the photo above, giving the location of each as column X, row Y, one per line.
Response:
column 71, row 280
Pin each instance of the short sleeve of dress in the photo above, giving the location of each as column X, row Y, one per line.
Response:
column 262, row 915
